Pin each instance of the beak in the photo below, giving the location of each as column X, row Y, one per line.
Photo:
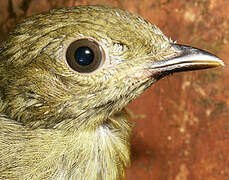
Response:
column 187, row 59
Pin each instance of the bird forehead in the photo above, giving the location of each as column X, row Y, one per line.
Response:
column 101, row 22
column 116, row 24
column 120, row 31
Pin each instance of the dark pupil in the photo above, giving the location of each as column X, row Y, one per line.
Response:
column 84, row 56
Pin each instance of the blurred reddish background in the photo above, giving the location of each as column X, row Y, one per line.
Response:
column 182, row 122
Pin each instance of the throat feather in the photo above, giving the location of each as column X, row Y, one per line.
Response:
column 100, row 154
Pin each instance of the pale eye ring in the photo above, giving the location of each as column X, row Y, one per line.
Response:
column 84, row 55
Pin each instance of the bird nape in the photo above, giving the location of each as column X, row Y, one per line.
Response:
column 66, row 76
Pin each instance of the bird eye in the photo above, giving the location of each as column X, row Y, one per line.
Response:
column 84, row 55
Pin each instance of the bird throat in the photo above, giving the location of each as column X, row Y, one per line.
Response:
column 105, row 159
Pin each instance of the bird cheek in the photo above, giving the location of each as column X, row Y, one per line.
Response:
column 142, row 75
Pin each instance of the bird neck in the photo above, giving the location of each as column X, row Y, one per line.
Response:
column 101, row 153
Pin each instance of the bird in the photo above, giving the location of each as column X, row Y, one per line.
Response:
column 66, row 77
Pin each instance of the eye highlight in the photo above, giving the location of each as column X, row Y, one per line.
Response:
column 84, row 55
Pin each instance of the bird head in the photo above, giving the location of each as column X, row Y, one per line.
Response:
column 75, row 67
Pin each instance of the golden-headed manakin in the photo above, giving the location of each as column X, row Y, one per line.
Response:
column 66, row 76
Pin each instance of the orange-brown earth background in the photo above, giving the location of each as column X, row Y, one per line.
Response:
column 181, row 123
